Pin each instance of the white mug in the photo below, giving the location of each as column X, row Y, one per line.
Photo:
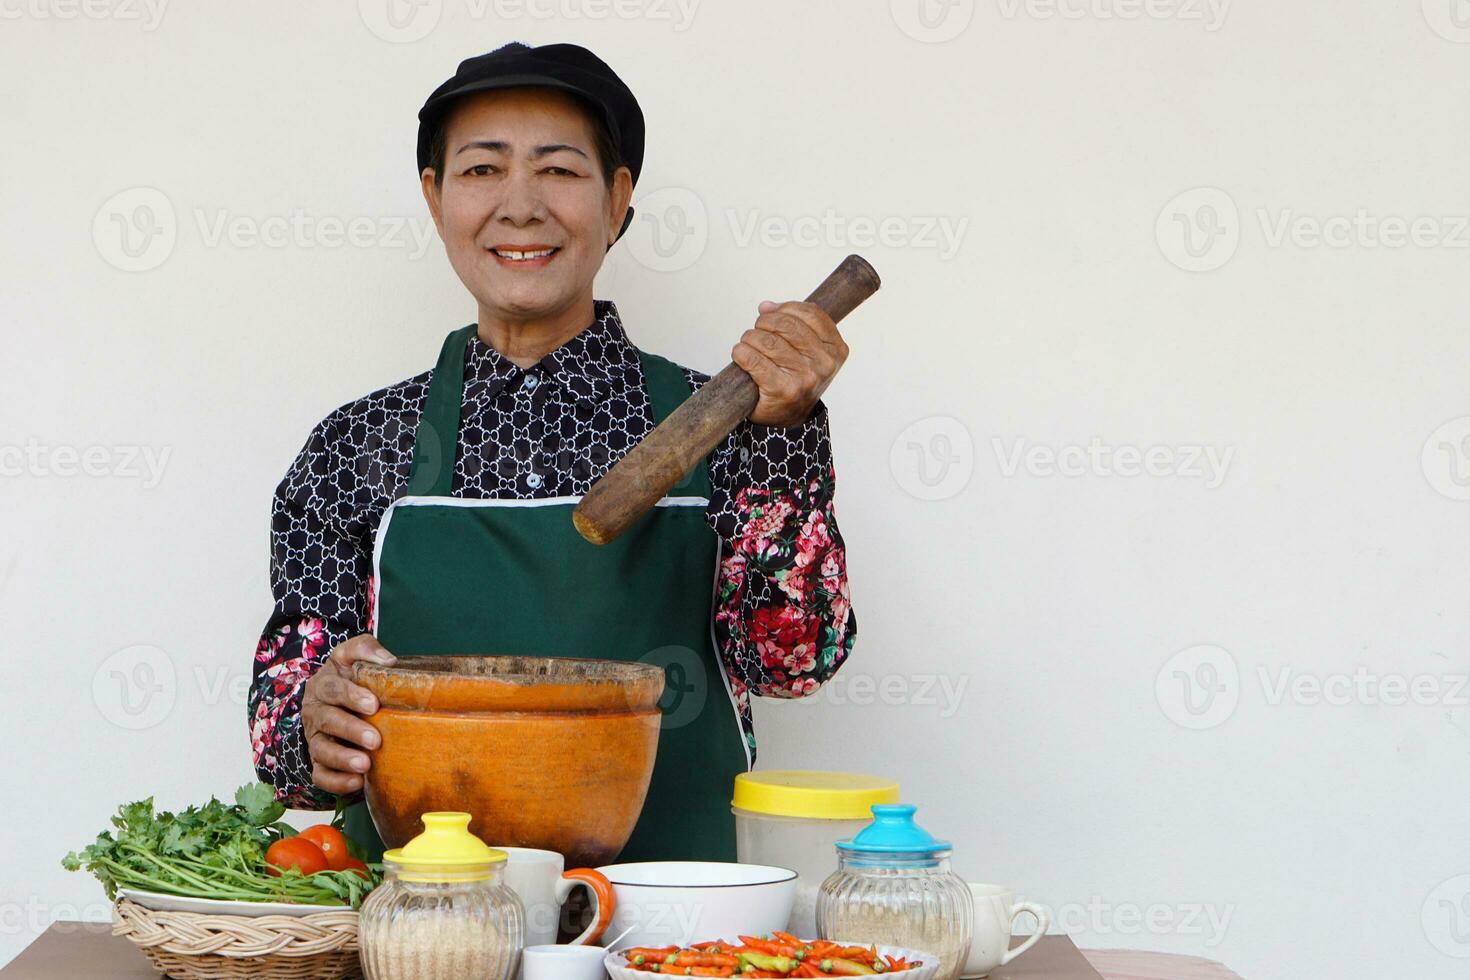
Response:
column 563, row 963
column 537, row 877
column 995, row 911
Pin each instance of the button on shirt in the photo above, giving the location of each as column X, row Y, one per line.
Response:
column 782, row 618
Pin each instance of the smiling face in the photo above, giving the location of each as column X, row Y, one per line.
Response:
column 525, row 209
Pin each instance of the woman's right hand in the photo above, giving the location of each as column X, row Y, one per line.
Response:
column 332, row 707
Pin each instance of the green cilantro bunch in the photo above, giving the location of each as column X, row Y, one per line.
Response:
column 214, row 851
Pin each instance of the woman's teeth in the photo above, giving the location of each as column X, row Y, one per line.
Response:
column 522, row 256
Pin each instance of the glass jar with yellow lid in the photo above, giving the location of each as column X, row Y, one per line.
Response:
column 793, row 818
column 443, row 909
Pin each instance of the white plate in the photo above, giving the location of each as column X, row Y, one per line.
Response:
column 618, row 968
column 159, row 902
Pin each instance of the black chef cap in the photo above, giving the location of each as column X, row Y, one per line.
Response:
column 569, row 67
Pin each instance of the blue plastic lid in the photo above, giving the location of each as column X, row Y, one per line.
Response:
column 893, row 830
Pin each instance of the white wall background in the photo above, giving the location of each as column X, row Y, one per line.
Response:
column 1285, row 835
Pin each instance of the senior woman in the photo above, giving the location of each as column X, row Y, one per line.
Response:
column 527, row 159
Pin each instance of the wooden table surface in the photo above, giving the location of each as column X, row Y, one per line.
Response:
column 89, row 951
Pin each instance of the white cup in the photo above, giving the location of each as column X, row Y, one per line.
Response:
column 538, row 878
column 563, row 963
column 996, row 909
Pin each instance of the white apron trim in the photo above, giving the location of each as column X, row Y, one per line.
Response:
column 714, row 644
column 429, row 501
column 513, row 502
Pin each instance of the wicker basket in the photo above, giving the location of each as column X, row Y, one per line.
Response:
column 195, row 946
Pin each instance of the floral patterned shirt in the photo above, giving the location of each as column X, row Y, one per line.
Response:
column 782, row 619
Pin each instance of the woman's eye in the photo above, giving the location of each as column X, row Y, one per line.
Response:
column 560, row 172
column 480, row 170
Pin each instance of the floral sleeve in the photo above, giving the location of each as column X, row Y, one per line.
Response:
column 286, row 657
column 783, row 618
column 321, row 566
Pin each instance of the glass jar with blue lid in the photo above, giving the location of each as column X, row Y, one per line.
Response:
column 893, row 885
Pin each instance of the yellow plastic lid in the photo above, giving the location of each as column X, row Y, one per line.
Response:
column 446, row 845
column 812, row 794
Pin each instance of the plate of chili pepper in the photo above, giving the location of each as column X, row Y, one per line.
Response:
column 777, row 955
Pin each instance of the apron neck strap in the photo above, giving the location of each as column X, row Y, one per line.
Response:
column 667, row 388
column 437, row 437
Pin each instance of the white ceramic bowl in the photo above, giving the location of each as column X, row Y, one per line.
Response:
column 618, row 968
column 552, row 962
column 681, row 902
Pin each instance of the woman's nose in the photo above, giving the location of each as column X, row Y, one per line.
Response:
column 521, row 204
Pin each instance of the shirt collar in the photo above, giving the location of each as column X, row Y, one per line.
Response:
column 589, row 365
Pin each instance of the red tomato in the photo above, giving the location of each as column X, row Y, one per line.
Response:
column 332, row 843
column 353, row 864
column 294, row 852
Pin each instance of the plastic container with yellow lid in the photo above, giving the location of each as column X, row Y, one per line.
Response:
column 443, row 909
column 793, row 818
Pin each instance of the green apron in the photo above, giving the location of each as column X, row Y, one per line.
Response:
column 506, row 576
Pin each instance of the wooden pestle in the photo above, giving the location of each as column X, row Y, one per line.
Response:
column 654, row 466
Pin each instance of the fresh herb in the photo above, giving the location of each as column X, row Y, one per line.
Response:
column 213, row 851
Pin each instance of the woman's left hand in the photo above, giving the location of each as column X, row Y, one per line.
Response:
column 793, row 352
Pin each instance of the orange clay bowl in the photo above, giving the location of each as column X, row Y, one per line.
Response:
column 547, row 752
